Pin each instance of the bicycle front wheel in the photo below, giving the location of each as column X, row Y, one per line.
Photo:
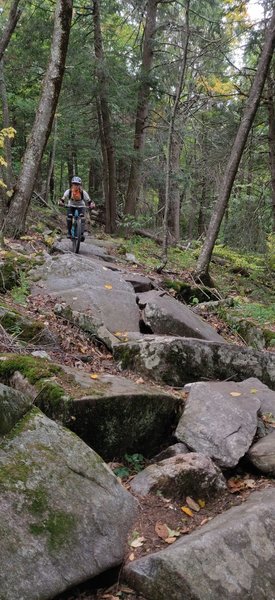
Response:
column 77, row 236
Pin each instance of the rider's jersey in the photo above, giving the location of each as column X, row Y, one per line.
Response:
column 71, row 202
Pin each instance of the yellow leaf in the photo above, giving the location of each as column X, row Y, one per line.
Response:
column 201, row 503
column 187, row 511
column 108, row 286
column 235, row 394
column 170, row 540
column 94, row 376
column 253, row 391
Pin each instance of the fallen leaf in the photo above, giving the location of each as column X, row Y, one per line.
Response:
column 192, row 504
column 253, row 391
column 170, row 540
column 187, row 511
column 205, row 520
column 161, row 530
column 201, row 503
column 139, row 380
column 235, row 394
column 94, row 376
column 185, row 530
column 132, row 556
column 108, row 286
column 137, row 542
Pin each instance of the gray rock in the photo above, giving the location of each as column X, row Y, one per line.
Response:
column 182, row 475
column 232, row 557
column 114, row 415
column 139, row 282
column 177, row 361
column 173, row 450
column 263, row 393
column 13, row 406
column 167, row 316
column 64, row 517
column 219, row 420
column 262, row 454
column 100, row 295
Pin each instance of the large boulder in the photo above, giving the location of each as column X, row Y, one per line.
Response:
column 219, row 420
column 177, row 361
column 165, row 315
column 232, row 557
column 179, row 476
column 64, row 517
column 114, row 415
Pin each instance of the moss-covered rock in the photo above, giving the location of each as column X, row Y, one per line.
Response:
column 58, row 500
column 13, row 405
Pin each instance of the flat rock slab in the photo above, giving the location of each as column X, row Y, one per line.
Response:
column 219, row 420
column 232, row 557
column 115, row 415
column 89, row 288
column 87, row 249
column 177, row 361
column 167, row 316
column 179, row 476
column 262, row 454
column 64, row 517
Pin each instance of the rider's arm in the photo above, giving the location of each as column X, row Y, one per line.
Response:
column 88, row 200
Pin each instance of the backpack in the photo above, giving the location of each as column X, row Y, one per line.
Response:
column 78, row 195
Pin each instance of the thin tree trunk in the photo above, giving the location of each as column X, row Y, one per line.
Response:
column 14, row 15
column 174, row 213
column 170, row 140
column 52, row 159
column 14, row 223
column 106, row 121
column 142, row 108
column 202, row 268
column 271, row 141
column 105, row 168
column 7, row 172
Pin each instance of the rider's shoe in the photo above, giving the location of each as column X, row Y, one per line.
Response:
column 82, row 239
column 69, row 236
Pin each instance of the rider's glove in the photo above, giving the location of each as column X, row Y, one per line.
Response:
column 91, row 205
column 61, row 201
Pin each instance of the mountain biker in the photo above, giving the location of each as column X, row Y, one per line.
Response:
column 76, row 197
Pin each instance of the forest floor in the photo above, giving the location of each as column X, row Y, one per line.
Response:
column 161, row 520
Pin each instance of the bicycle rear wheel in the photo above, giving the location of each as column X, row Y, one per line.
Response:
column 77, row 236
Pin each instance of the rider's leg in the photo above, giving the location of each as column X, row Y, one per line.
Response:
column 69, row 221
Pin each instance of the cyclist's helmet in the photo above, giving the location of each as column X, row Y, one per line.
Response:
column 77, row 180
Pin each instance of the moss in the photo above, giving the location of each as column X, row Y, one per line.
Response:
column 16, row 472
column 39, row 502
column 34, row 369
column 59, row 526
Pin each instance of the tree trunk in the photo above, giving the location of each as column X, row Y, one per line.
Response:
column 105, row 178
column 106, row 122
column 170, row 139
column 202, row 268
column 51, row 164
column 174, row 213
column 7, row 175
column 14, row 223
column 142, row 108
column 14, row 15
column 271, row 141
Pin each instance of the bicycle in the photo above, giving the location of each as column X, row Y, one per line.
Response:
column 76, row 229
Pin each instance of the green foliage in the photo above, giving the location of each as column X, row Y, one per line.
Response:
column 22, row 290
column 134, row 463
